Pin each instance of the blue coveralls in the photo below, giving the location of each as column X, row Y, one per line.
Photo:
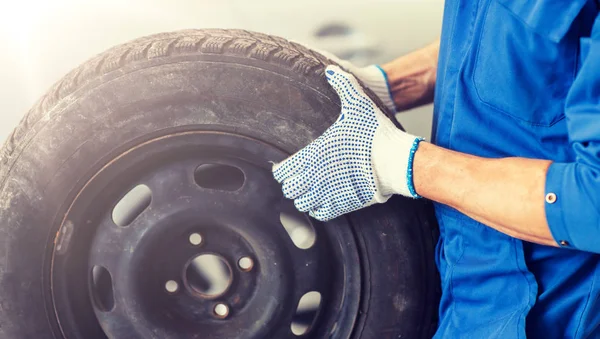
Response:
column 522, row 78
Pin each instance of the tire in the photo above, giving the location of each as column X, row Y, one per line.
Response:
column 228, row 81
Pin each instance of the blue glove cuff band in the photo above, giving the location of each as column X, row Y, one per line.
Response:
column 409, row 171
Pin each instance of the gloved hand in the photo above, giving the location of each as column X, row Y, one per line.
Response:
column 373, row 77
column 362, row 159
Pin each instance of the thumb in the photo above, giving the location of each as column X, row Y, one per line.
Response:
column 343, row 83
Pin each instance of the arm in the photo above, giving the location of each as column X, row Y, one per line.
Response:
column 364, row 159
column 411, row 78
column 402, row 84
column 509, row 194
column 368, row 160
column 505, row 194
column 473, row 185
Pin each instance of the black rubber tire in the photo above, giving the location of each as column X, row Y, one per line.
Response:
column 226, row 80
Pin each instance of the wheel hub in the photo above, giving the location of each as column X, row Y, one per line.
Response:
column 208, row 276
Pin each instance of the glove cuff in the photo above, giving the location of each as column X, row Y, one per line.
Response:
column 375, row 78
column 393, row 154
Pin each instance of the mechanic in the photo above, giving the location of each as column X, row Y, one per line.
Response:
column 513, row 166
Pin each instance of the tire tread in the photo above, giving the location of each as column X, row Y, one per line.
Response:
column 207, row 41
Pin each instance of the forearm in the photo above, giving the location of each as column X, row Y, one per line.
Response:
column 412, row 77
column 505, row 194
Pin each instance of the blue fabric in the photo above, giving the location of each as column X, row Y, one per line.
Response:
column 522, row 78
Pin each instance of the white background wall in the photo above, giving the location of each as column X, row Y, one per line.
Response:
column 41, row 40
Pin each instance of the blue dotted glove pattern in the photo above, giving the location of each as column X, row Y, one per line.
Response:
column 334, row 175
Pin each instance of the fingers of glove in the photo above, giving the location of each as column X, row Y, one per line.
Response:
column 334, row 209
column 295, row 164
column 321, row 197
column 324, row 213
column 300, row 184
column 307, row 201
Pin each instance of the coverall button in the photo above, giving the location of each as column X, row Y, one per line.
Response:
column 564, row 243
column 551, row 198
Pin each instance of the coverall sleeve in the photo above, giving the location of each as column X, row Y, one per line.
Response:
column 573, row 189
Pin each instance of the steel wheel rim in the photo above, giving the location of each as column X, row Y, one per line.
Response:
column 335, row 250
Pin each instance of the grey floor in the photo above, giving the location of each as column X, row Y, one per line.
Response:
column 42, row 40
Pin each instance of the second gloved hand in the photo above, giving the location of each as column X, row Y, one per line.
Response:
column 362, row 159
column 372, row 76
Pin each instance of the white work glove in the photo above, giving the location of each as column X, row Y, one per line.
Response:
column 362, row 159
column 373, row 77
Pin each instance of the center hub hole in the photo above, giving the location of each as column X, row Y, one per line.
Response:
column 208, row 275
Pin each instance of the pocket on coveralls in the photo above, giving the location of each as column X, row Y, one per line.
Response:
column 524, row 68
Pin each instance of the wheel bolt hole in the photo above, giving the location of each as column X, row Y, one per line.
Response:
column 246, row 264
column 172, row 286
column 221, row 311
column 195, row 239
